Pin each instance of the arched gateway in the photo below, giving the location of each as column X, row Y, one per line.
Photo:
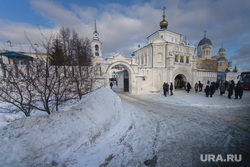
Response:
column 128, row 72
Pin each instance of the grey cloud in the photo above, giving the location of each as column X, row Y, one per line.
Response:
column 122, row 28
column 242, row 58
column 56, row 13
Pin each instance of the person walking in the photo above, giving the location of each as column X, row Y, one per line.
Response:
column 200, row 86
column 196, row 86
column 222, row 89
column 238, row 90
column 171, row 88
column 230, row 89
column 111, row 85
column 188, row 87
column 165, row 89
column 207, row 89
column 212, row 89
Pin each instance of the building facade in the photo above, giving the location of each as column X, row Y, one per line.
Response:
column 166, row 58
column 206, row 60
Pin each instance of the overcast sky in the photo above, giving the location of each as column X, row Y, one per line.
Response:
column 122, row 25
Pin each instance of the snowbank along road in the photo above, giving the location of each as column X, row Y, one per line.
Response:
column 171, row 131
column 141, row 130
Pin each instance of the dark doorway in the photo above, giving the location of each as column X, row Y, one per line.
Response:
column 126, row 81
column 180, row 81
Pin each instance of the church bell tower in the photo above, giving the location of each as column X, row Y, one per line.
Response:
column 96, row 47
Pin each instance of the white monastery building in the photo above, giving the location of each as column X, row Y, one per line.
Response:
column 166, row 58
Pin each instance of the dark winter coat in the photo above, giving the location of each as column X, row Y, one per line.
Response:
column 164, row 87
column 212, row 88
column 167, row 87
column 239, row 90
column 196, row 86
column 207, row 90
column 222, row 88
column 231, row 88
column 188, row 86
column 171, row 86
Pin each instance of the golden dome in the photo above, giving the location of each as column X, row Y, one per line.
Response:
column 164, row 23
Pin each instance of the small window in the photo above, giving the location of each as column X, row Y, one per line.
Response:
column 187, row 59
column 96, row 50
column 182, row 59
column 176, row 58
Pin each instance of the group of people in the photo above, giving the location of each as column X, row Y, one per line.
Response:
column 210, row 88
column 237, row 89
column 166, row 88
column 230, row 87
column 198, row 86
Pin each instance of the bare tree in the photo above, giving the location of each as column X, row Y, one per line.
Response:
column 44, row 85
column 61, row 89
column 17, row 91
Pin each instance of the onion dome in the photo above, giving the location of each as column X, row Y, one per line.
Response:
column 164, row 23
column 222, row 50
column 206, row 46
column 205, row 40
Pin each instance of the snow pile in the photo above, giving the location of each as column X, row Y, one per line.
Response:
column 50, row 139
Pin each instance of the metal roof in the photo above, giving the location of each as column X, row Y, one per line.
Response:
column 222, row 59
column 204, row 41
column 15, row 55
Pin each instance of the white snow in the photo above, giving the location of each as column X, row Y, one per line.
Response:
column 103, row 130
column 42, row 139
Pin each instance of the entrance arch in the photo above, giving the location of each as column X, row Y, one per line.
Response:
column 124, row 76
column 106, row 70
column 180, row 80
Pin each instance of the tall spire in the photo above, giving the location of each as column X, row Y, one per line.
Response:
column 164, row 8
column 96, row 35
column 95, row 28
column 205, row 34
column 164, row 23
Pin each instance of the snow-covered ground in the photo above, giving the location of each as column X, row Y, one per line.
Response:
column 120, row 129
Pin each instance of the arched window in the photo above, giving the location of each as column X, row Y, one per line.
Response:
column 146, row 58
column 142, row 61
column 96, row 50
column 176, row 58
column 187, row 59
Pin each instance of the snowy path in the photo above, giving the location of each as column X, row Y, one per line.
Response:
column 156, row 132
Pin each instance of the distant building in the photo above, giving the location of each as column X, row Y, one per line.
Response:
column 21, row 53
column 206, row 60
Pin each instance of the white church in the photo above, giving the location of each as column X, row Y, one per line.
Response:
column 166, row 58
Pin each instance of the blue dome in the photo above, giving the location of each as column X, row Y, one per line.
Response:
column 222, row 50
column 206, row 46
column 204, row 41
